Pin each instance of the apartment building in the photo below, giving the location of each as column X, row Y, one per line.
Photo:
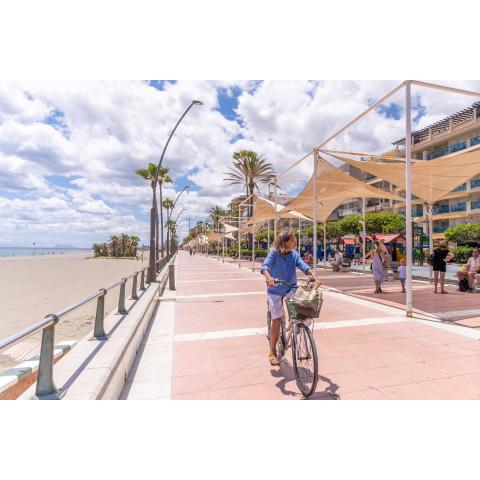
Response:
column 451, row 134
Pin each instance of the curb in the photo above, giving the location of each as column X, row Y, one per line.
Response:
column 15, row 380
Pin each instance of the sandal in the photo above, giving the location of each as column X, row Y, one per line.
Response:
column 274, row 362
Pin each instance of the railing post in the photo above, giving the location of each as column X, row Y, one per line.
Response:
column 134, row 287
column 99, row 331
column 171, row 276
column 46, row 389
column 142, row 280
column 148, row 275
column 121, row 297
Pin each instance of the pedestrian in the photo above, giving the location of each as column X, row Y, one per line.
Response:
column 338, row 260
column 378, row 268
column 441, row 256
column 194, row 251
column 471, row 270
column 387, row 260
column 402, row 273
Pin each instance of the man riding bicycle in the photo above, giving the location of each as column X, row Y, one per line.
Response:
column 281, row 263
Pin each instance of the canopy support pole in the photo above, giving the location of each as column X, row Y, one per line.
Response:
column 223, row 248
column 430, row 239
column 239, row 235
column 364, row 236
column 253, row 249
column 408, row 195
column 268, row 236
column 325, row 245
column 275, row 213
column 299, row 237
column 315, row 158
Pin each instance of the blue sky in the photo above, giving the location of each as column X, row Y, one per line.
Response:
column 68, row 151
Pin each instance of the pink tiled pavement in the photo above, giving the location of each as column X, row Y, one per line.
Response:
column 404, row 360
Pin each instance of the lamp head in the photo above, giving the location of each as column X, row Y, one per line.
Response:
column 197, row 102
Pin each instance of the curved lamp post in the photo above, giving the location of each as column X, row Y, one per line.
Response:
column 170, row 216
column 154, row 211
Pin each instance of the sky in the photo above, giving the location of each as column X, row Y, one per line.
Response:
column 69, row 149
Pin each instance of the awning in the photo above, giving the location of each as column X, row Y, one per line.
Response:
column 334, row 187
column 390, row 238
column 432, row 180
column 348, row 241
column 264, row 210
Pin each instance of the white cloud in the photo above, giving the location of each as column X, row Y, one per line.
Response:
column 101, row 132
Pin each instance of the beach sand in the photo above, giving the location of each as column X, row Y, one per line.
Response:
column 32, row 287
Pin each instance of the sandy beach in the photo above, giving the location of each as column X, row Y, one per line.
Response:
column 32, row 287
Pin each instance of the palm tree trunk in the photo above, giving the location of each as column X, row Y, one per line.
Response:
column 168, row 232
column 152, row 255
column 161, row 217
column 250, row 213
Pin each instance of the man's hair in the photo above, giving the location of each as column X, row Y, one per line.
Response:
column 282, row 239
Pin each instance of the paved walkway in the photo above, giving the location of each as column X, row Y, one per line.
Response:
column 207, row 341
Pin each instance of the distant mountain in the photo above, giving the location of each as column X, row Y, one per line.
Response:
column 61, row 245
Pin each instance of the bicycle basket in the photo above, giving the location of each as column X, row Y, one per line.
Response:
column 305, row 304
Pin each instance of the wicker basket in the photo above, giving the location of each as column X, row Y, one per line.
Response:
column 301, row 306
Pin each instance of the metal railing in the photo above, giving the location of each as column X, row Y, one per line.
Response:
column 46, row 388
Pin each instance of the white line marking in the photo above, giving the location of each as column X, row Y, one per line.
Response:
column 458, row 329
column 209, row 295
column 459, row 313
column 222, row 280
column 246, row 332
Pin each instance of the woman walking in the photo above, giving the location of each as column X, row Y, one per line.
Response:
column 378, row 267
column 441, row 256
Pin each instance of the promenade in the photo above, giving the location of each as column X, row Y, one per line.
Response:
column 208, row 341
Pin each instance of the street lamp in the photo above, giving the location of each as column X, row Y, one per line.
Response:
column 169, row 217
column 154, row 211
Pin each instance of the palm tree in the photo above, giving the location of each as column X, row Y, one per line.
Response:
column 163, row 177
column 215, row 214
column 168, row 205
column 149, row 174
column 249, row 169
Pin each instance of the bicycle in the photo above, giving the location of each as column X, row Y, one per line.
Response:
column 296, row 333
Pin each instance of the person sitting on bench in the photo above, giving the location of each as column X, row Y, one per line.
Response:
column 471, row 270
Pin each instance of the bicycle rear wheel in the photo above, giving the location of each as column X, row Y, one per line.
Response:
column 305, row 360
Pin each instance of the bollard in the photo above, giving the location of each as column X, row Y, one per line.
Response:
column 46, row 389
column 171, row 276
column 121, row 298
column 134, row 287
column 142, row 280
column 99, row 332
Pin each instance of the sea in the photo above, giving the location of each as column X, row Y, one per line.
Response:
column 40, row 251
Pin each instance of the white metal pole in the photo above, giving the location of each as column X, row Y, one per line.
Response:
column 223, row 247
column 325, row 245
column 268, row 236
column 275, row 213
column 408, row 195
column 239, row 234
column 253, row 249
column 430, row 238
column 299, row 237
column 314, row 247
column 364, row 239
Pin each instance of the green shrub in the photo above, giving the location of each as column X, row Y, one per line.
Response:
column 462, row 254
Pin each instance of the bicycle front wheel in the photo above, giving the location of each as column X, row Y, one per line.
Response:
column 305, row 360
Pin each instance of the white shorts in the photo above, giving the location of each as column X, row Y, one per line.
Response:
column 275, row 303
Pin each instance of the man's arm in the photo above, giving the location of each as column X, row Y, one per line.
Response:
column 265, row 269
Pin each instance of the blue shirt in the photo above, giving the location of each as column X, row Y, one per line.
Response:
column 284, row 268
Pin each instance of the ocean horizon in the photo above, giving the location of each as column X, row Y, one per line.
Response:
column 40, row 251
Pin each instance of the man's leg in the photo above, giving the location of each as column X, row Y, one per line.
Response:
column 470, row 277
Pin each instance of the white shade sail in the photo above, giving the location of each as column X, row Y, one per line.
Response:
column 334, row 187
column 431, row 180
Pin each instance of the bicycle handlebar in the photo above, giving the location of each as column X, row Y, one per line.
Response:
column 290, row 285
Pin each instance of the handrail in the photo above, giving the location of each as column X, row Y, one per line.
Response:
column 45, row 386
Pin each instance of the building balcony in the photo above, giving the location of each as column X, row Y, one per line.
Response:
column 440, row 228
column 475, row 205
column 475, row 183
column 459, row 207
column 450, row 149
column 475, row 141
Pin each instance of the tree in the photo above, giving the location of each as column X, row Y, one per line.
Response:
column 385, row 223
column 467, row 233
column 168, row 205
column 215, row 215
column 149, row 174
column 163, row 177
column 351, row 225
column 249, row 170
